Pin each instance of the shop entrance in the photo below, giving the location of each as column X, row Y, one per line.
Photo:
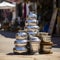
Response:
column 44, row 10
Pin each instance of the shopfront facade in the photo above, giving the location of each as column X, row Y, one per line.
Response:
column 44, row 11
column 58, row 17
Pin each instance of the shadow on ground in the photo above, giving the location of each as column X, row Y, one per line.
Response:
column 24, row 53
column 8, row 34
column 56, row 40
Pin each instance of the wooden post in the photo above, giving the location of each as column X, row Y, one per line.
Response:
column 53, row 19
column 54, row 4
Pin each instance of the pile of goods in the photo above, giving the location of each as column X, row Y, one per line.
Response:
column 20, row 43
column 46, row 43
column 32, row 28
column 31, row 40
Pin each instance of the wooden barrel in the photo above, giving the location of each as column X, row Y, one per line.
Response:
column 46, row 38
column 45, row 47
column 40, row 34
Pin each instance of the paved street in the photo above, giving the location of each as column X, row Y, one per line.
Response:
column 7, row 43
column 56, row 41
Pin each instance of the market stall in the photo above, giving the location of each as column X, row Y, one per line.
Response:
column 5, row 6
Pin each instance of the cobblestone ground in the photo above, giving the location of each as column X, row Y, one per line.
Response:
column 7, row 43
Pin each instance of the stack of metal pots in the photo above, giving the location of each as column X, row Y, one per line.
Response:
column 35, row 44
column 29, row 39
column 20, row 43
column 46, row 43
column 32, row 28
column 31, row 25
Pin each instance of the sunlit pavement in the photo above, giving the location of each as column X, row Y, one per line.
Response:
column 7, row 43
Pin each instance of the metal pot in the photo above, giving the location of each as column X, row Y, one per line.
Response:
column 34, row 39
column 31, row 22
column 35, row 43
column 20, row 42
column 21, row 35
column 32, row 28
column 32, row 15
column 20, row 49
column 32, row 33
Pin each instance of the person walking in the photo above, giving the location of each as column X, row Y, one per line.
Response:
column 23, row 12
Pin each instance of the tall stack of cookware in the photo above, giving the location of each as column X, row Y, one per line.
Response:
column 28, row 40
column 20, row 43
column 32, row 28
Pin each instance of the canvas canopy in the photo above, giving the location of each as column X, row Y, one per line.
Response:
column 6, row 5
